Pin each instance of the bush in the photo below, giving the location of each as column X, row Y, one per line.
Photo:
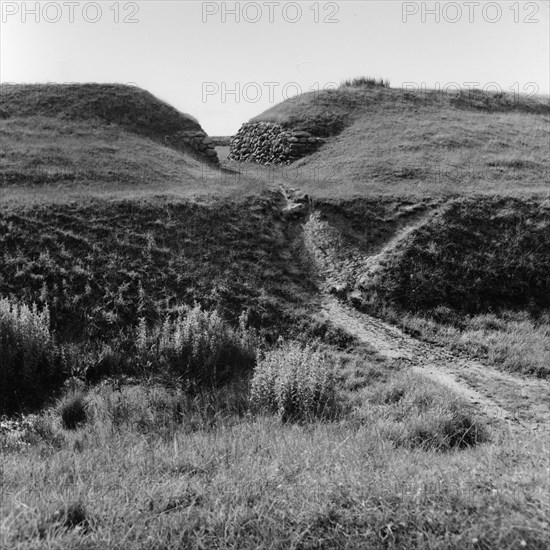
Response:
column 28, row 359
column 199, row 346
column 295, row 382
column 73, row 411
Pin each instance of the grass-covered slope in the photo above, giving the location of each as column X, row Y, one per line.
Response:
column 39, row 150
column 101, row 265
column 385, row 139
column 327, row 112
column 474, row 256
column 132, row 108
column 472, row 272
column 93, row 134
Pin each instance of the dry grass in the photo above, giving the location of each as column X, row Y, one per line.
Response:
column 515, row 342
column 415, row 412
column 522, row 346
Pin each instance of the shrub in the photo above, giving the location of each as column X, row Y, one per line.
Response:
column 295, row 382
column 199, row 346
column 28, row 364
column 73, row 411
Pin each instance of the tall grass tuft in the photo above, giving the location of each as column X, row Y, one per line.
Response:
column 28, row 364
column 365, row 81
column 416, row 412
column 199, row 346
column 296, row 382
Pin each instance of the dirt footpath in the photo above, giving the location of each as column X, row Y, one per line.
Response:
column 518, row 401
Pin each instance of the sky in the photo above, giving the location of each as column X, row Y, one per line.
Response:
column 226, row 62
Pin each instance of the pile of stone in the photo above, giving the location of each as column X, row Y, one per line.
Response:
column 198, row 141
column 270, row 143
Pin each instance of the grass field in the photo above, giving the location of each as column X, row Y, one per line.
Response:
column 159, row 395
column 139, row 475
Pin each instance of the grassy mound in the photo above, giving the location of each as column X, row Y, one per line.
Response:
column 95, row 137
column 334, row 110
column 389, row 140
column 133, row 109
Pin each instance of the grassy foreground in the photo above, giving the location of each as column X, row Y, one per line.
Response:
column 154, row 468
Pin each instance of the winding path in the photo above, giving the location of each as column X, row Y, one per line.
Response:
column 494, row 390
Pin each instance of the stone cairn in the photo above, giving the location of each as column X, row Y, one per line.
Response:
column 199, row 142
column 270, row 143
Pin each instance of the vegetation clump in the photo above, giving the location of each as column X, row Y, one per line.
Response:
column 73, row 411
column 296, row 382
column 365, row 81
column 29, row 361
column 415, row 412
column 67, row 517
column 199, row 346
